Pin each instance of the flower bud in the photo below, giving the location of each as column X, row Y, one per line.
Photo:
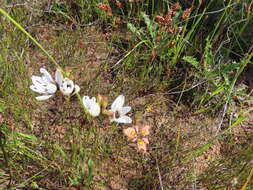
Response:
column 102, row 101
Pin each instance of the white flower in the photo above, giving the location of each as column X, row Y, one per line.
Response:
column 119, row 112
column 91, row 106
column 66, row 86
column 47, row 86
column 44, row 85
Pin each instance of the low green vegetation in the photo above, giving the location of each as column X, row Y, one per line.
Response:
column 184, row 67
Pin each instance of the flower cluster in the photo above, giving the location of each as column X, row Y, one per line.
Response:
column 47, row 87
column 138, row 135
column 106, row 8
column 167, row 22
column 117, row 113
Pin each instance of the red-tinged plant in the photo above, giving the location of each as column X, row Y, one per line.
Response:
column 106, row 8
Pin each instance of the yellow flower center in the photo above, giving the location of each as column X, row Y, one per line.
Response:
column 144, row 133
column 140, row 142
column 133, row 134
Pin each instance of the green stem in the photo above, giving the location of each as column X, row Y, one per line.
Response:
column 5, row 14
column 240, row 71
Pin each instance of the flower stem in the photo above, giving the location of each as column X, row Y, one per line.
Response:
column 5, row 14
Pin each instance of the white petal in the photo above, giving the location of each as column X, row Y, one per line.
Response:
column 91, row 106
column 47, row 77
column 118, row 103
column 40, row 86
column 38, row 89
column 77, row 89
column 124, row 110
column 37, row 80
column 123, row 119
column 95, row 110
column 67, row 86
column 45, row 97
column 51, row 88
column 58, row 77
column 66, row 91
column 86, row 101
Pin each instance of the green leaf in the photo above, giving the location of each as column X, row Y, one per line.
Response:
column 230, row 67
column 237, row 122
column 152, row 26
column 217, row 91
column 135, row 31
column 203, row 148
column 2, row 107
column 90, row 176
column 60, row 150
column 208, row 56
column 31, row 137
column 192, row 61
